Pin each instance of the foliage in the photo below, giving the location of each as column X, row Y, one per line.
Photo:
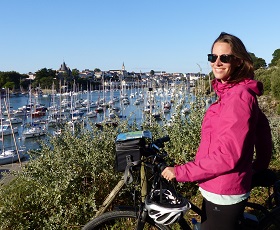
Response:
column 9, row 85
column 14, row 79
column 264, row 75
column 62, row 186
column 271, row 80
column 44, row 78
column 276, row 58
column 275, row 131
column 257, row 62
column 185, row 133
column 275, row 83
column 278, row 109
column 24, row 84
column 75, row 73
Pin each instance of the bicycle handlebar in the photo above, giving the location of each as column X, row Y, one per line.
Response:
column 156, row 152
column 159, row 153
column 160, row 141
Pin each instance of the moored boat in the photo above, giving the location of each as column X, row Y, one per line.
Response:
column 11, row 156
column 13, row 120
column 34, row 131
column 107, row 122
column 91, row 114
column 38, row 114
column 6, row 129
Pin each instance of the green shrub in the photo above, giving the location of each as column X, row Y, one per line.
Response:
column 275, row 83
column 63, row 185
column 278, row 109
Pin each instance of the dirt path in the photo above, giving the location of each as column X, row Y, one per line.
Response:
column 5, row 176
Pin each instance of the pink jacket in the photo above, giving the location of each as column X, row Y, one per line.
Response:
column 224, row 159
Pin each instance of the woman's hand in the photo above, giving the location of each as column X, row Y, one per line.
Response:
column 168, row 173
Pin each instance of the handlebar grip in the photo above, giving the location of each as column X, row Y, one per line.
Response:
column 165, row 139
column 160, row 142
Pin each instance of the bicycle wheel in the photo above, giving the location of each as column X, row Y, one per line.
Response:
column 272, row 221
column 120, row 220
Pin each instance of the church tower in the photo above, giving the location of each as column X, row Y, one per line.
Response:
column 123, row 67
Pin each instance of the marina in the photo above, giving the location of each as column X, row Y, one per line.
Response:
column 36, row 117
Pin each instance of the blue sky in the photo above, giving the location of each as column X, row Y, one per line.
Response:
column 160, row 35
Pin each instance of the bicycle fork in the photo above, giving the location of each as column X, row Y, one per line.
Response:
column 142, row 218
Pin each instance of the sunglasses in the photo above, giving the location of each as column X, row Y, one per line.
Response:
column 225, row 58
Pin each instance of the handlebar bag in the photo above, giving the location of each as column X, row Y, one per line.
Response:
column 130, row 147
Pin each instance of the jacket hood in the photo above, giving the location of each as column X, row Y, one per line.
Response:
column 254, row 85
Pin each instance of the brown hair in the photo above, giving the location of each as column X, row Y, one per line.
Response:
column 246, row 69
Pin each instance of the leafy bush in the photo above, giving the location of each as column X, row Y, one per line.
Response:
column 63, row 186
column 275, row 131
column 275, row 83
column 264, row 76
column 278, row 109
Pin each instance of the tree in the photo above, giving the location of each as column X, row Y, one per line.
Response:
column 9, row 85
column 257, row 62
column 44, row 77
column 152, row 72
column 3, row 79
column 11, row 76
column 275, row 83
column 276, row 58
column 24, row 84
column 75, row 73
column 96, row 70
column 264, row 75
column 46, row 82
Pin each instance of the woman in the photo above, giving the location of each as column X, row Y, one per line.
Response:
column 230, row 132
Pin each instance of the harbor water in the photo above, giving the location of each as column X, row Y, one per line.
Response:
column 130, row 110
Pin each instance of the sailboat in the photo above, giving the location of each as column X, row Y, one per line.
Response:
column 32, row 129
column 90, row 113
column 6, row 129
column 8, row 156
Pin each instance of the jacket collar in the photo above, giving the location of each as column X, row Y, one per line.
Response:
column 221, row 88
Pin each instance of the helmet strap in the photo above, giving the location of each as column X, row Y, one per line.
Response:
column 160, row 187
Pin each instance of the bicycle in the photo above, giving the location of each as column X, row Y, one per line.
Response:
column 137, row 216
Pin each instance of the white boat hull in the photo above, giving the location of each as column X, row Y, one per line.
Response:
column 10, row 156
column 34, row 132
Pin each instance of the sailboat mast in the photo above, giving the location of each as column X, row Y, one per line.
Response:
column 2, row 133
column 14, row 138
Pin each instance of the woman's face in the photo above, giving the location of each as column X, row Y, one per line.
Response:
column 222, row 71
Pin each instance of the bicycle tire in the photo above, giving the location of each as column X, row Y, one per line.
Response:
column 272, row 221
column 120, row 220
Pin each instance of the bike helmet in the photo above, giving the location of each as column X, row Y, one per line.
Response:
column 169, row 209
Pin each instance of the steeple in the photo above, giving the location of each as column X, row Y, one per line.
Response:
column 63, row 67
column 123, row 67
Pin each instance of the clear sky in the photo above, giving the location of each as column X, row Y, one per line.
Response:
column 160, row 35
